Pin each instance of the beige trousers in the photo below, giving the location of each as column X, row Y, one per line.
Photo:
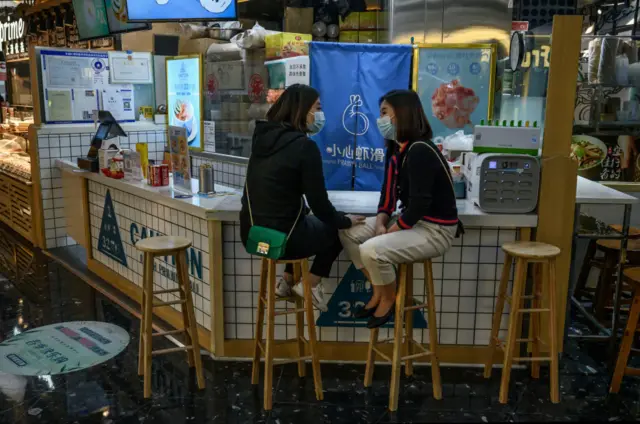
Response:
column 378, row 255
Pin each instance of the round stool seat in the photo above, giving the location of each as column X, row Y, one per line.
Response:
column 163, row 244
column 632, row 275
column 531, row 250
column 632, row 244
column 634, row 232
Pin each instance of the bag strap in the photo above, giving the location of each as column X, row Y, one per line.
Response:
column 444, row 165
column 246, row 187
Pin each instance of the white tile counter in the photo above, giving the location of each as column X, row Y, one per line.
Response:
column 366, row 203
column 225, row 277
column 592, row 192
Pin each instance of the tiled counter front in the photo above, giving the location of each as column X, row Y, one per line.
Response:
column 56, row 142
column 139, row 218
column 466, row 282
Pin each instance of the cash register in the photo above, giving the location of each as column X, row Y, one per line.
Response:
column 108, row 130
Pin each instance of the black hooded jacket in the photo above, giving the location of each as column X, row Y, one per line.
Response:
column 285, row 165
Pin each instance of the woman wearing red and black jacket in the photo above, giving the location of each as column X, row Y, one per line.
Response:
column 424, row 226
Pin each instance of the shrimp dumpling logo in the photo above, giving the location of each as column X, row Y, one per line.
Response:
column 354, row 121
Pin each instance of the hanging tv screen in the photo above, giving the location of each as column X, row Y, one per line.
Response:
column 118, row 20
column 182, row 10
column 91, row 18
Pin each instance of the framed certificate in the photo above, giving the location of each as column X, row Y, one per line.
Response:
column 131, row 68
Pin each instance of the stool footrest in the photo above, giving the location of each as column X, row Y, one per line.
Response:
column 416, row 355
column 169, row 303
column 379, row 352
column 289, row 312
column 415, row 307
column 420, row 346
column 532, row 359
column 632, row 371
column 171, row 350
column 168, row 333
column 291, row 360
column 533, row 310
column 527, row 297
column 167, row 291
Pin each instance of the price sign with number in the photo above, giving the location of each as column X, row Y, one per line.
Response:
column 352, row 294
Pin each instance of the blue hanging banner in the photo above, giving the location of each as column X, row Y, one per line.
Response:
column 351, row 78
column 109, row 241
column 353, row 292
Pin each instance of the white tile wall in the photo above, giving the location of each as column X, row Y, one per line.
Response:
column 225, row 173
column 162, row 220
column 68, row 146
column 465, row 280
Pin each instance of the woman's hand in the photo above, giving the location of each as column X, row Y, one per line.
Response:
column 356, row 220
column 381, row 229
column 394, row 228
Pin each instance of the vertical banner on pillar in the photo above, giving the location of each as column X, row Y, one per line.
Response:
column 351, row 78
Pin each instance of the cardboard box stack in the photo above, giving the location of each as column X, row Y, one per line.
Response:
column 364, row 27
column 236, row 92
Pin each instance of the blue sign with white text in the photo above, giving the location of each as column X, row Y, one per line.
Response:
column 353, row 293
column 109, row 241
column 352, row 147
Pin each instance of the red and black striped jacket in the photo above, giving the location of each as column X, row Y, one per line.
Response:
column 418, row 179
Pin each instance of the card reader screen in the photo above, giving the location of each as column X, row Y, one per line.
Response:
column 493, row 164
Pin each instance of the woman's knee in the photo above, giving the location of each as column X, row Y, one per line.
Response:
column 368, row 250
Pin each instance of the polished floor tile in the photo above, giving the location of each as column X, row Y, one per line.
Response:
column 112, row 392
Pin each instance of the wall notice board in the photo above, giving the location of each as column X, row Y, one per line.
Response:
column 73, row 84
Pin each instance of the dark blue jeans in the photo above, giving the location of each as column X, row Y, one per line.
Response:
column 313, row 237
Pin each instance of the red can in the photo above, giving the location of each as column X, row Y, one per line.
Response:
column 165, row 174
column 155, row 175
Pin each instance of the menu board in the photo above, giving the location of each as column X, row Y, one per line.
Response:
column 91, row 18
column 180, row 160
column 184, row 97
column 455, row 84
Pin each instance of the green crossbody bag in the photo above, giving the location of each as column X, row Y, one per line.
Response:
column 266, row 242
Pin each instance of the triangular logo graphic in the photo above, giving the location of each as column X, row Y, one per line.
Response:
column 353, row 292
column 109, row 241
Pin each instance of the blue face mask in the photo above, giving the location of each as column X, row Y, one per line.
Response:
column 317, row 125
column 386, row 128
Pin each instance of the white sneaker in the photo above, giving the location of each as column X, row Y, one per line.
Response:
column 317, row 295
column 283, row 289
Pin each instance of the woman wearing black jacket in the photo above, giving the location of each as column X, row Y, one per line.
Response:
column 286, row 165
column 418, row 176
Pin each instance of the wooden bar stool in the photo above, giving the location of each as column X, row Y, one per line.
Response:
column 602, row 294
column 632, row 276
column 543, row 256
column 177, row 247
column 267, row 298
column 404, row 350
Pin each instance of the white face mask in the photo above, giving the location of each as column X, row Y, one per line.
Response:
column 317, row 125
column 386, row 128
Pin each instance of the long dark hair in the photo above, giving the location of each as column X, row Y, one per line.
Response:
column 293, row 106
column 411, row 121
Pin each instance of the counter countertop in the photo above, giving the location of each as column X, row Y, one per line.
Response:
column 592, row 192
column 199, row 206
column 226, row 205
